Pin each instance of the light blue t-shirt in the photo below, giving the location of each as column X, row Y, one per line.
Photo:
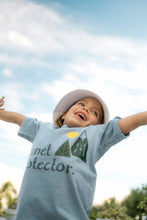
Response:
column 60, row 177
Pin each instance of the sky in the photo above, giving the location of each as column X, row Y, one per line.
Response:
column 49, row 48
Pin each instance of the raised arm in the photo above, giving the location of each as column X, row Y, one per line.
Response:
column 132, row 122
column 12, row 117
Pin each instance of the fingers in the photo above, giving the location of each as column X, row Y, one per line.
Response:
column 2, row 101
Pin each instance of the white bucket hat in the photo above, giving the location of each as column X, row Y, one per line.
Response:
column 72, row 97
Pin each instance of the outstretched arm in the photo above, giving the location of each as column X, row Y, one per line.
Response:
column 132, row 122
column 12, row 117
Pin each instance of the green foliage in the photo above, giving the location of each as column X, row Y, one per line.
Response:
column 8, row 197
column 109, row 209
column 143, row 204
column 133, row 200
column 135, row 204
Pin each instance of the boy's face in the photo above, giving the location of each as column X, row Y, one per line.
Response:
column 85, row 112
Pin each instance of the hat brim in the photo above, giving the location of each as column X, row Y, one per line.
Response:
column 72, row 97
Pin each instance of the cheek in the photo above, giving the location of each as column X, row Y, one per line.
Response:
column 67, row 114
column 94, row 120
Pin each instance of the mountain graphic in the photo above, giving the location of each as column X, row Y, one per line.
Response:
column 80, row 147
column 63, row 150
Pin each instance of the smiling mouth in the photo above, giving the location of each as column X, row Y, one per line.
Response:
column 81, row 115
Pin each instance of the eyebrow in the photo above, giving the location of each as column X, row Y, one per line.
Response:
column 95, row 108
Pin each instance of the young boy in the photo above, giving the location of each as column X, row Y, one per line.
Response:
column 60, row 176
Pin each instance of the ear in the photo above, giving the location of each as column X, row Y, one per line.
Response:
column 63, row 116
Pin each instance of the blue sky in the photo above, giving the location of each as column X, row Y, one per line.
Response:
column 116, row 17
column 48, row 48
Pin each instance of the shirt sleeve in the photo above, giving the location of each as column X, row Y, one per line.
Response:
column 29, row 128
column 109, row 135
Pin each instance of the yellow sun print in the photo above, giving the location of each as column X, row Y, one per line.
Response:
column 72, row 134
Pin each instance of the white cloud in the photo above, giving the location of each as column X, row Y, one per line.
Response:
column 7, row 73
column 42, row 116
column 29, row 29
column 21, row 40
column 121, row 97
column 12, row 93
column 38, row 28
column 105, row 59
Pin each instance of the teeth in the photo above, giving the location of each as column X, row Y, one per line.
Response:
column 81, row 115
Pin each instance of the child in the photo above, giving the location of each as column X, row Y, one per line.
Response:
column 60, row 176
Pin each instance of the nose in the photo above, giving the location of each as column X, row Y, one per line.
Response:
column 85, row 108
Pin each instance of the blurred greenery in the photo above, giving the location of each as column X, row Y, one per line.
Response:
column 131, row 207
column 132, row 201
column 8, row 197
column 143, row 204
column 110, row 209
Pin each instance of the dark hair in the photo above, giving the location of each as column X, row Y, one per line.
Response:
column 59, row 122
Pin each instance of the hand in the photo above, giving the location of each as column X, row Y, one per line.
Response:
column 2, row 102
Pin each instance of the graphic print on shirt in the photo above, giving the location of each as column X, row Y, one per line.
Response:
column 43, row 158
column 63, row 150
column 78, row 149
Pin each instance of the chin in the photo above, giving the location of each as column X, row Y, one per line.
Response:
column 77, row 125
column 74, row 124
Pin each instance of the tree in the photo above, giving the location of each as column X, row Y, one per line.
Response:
column 8, row 197
column 132, row 201
column 109, row 209
column 143, row 204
